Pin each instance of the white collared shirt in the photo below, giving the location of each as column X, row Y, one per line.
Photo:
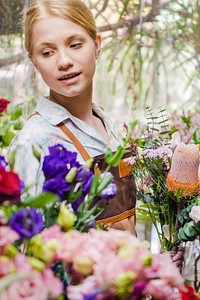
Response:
column 42, row 132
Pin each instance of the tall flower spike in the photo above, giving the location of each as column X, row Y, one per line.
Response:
column 183, row 173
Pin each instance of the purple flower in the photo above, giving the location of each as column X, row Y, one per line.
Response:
column 90, row 222
column 109, row 192
column 77, row 202
column 27, row 222
column 22, row 186
column 59, row 162
column 3, row 162
column 87, row 183
column 58, row 186
column 52, row 167
column 82, row 173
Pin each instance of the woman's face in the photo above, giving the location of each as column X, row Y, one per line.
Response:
column 65, row 55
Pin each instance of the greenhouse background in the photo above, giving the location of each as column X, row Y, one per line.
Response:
column 150, row 57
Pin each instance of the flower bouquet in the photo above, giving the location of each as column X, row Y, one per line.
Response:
column 72, row 265
column 51, row 247
column 166, row 172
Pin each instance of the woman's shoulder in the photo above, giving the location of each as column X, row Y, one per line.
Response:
column 35, row 130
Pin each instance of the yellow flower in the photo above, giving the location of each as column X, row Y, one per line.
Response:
column 43, row 250
column 83, row 265
column 146, row 259
column 11, row 251
column 126, row 250
column 124, row 283
column 66, row 219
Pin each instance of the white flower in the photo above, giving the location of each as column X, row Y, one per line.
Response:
column 195, row 213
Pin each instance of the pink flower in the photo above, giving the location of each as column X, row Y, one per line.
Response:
column 22, row 263
column 6, row 266
column 184, row 170
column 71, row 243
column 34, row 286
column 161, row 290
column 87, row 287
column 55, row 287
column 107, row 271
column 30, row 288
column 166, row 270
column 53, row 232
column 7, row 237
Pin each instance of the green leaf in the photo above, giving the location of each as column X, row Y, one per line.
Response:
column 18, row 125
column 51, row 215
column 16, row 113
column 41, row 201
column 7, row 138
column 95, row 183
column 83, row 217
column 113, row 159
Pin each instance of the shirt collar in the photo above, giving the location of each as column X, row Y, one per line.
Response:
column 54, row 113
column 51, row 111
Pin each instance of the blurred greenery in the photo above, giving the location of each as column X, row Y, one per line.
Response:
column 150, row 55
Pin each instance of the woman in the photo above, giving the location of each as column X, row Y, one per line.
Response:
column 62, row 42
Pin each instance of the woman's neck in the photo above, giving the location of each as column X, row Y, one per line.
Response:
column 80, row 106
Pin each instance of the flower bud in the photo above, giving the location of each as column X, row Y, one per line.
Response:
column 11, row 251
column 71, row 175
column 89, row 163
column 36, row 263
column 66, row 219
column 36, row 153
column 146, row 259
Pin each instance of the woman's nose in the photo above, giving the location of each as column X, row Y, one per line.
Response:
column 65, row 61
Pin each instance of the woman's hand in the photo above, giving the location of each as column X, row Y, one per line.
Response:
column 178, row 258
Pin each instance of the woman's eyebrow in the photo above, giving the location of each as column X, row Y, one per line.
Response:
column 68, row 39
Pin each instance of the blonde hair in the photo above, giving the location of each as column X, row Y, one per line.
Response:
column 73, row 10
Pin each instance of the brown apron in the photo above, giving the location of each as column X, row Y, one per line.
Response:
column 118, row 212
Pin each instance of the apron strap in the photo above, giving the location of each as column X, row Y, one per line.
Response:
column 75, row 141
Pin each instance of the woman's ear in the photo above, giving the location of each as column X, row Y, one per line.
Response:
column 98, row 45
column 33, row 62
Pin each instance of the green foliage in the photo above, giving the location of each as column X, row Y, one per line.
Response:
column 150, row 50
column 10, row 124
column 189, row 232
column 40, row 201
column 190, row 229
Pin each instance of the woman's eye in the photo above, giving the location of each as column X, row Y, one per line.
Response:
column 47, row 53
column 76, row 45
